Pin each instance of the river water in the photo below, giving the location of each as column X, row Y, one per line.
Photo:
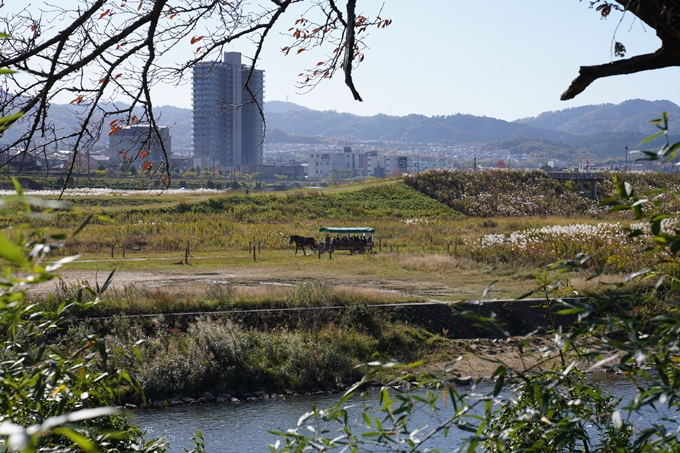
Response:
column 237, row 428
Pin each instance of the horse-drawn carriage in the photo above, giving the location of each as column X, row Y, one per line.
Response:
column 358, row 240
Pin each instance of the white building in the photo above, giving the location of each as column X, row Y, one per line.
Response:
column 338, row 164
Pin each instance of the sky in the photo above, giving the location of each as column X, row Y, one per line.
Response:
column 496, row 58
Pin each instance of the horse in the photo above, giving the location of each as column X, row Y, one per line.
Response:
column 301, row 242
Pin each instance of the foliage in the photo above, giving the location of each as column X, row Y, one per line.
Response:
column 54, row 399
column 550, row 405
column 508, row 193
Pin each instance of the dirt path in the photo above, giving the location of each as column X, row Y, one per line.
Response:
column 186, row 278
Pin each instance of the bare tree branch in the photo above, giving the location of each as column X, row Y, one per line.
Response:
column 589, row 74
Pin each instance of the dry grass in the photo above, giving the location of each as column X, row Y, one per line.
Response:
column 367, row 295
column 435, row 263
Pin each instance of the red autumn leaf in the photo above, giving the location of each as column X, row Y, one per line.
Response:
column 296, row 35
column 77, row 100
column 105, row 13
column 300, row 50
column 133, row 119
column 140, row 6
column 197, row 49
column 173, row 16
column 320, row 63
column 143, row 154
column 195, row 39
column 147, row 166
column 117, row 75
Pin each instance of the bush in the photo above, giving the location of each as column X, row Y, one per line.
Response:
column 549, row 406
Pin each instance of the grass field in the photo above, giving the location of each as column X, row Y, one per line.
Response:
column 424, row 247
column 438, row 237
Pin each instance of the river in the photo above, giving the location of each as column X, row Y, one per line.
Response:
column 238, row 428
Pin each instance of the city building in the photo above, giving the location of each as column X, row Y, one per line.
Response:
column 336, row 165
column 228, row 128
column 138, row 144
column 347, row 164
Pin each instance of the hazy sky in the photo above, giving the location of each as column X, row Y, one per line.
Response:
column 498, row 58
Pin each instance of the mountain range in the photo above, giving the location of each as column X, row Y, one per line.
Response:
column 597, row 130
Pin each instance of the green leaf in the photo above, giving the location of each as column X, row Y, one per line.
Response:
column 651, row 137
column 11, row 252
column 83, row 442
column 500, row 375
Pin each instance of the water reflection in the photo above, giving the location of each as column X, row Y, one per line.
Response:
column 245, row 427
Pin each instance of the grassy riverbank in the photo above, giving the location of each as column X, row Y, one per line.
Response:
column 428, row 246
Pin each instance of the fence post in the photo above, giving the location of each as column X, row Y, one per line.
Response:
column 112, row 246
column 186, row 254
column 188, row 248
column 380, row 245
column 254, row 257
column 250, row 246
column 123, row 250
column 258, row 247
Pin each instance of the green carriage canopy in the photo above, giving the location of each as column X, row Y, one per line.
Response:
column 358, row 230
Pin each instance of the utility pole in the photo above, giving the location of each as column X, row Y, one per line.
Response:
column 625, row 167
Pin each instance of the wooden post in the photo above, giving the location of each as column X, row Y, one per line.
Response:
column 188, row 248
column 112, row 246
column 186, row 254
column 123, row 250
column 250, row 246
column 258, row 247
column 254, row 257
column 319, row 250
column 380, row 245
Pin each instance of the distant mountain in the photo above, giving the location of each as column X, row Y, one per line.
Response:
column 412, row 128
column 629, row 116
column 588, row 132
column 282, row 107
column 276, row 135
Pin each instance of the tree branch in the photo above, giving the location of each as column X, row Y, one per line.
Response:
column 589, row 74
column 349, row 49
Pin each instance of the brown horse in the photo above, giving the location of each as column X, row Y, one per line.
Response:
column 301, row 242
